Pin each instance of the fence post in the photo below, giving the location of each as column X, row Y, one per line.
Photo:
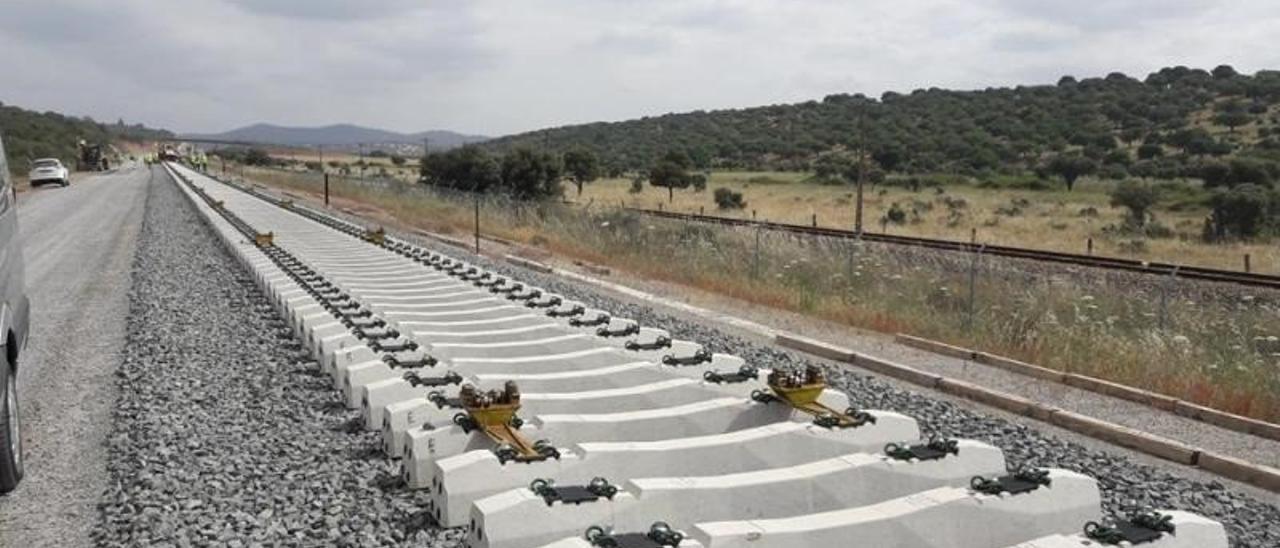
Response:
column 973, row 235
column 1090, row 246
column 853, row 248
column 753, row 215
column 477, row 224
column 755, row 260
column 326, row 189
column 1247, row 267
column 1164, row 298
column 973, row 278
column 702, row 210
column 815, row 220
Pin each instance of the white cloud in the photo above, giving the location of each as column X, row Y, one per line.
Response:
column 494, row 67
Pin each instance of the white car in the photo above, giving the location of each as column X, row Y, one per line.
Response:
column 49, row 170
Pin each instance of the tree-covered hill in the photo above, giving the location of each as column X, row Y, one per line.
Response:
column 1170, row 124
column 29, row 135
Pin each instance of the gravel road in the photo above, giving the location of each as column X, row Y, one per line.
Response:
column 78, row 244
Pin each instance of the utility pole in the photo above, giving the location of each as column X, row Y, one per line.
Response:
column 426, row 151
column 862, row 144
column 324, row 174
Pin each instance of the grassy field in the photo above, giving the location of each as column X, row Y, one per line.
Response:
column 1044, row 219
column 1052, row 219
column 1214, row 345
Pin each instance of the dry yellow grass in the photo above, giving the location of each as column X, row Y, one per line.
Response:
column 1046, row 220
column 1051, row 220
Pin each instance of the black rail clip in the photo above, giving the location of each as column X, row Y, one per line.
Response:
column 701, row 356
column 630, row 329
column 353, row 312
column 576, row 310
column 411, row 359
column 531, row 295
column 399, row 344
column 512, row 288
column 351, row 308
column 489, row 282
column 935, row 449
column 1138, row 529
column 450, row 377
column 600, row 319
column 507, row 453
column 437, row 397
column 662, row 341
column 549, row 303
column 660, row 535
column 1022, row 481
column 376, row 332
column 574, row 494
column 363, row 322
column 328, row 291
column 744, row 374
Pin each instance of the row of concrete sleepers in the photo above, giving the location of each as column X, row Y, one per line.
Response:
column 615, row 434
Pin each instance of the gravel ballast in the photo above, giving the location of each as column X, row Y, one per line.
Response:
column 224, row 433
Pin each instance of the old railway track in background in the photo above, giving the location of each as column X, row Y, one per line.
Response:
column 1093, row 261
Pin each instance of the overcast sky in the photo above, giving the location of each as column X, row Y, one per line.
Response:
column 494, row 67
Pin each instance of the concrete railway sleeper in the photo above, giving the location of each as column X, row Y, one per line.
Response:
column 533, row 419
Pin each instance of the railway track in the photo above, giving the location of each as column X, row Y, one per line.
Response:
column 1092, row 261
column 530, row 419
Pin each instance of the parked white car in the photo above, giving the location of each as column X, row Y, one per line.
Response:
column 49, row 170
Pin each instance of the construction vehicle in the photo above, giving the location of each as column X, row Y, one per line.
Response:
column 169, row 153
column 91, row 157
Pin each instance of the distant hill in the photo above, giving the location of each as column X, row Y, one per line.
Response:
column 1168, row 124
column 29, row 135
column 339, row 135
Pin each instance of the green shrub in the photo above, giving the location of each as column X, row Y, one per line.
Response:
column 1138, row 197
column 895, row 215
column 1244, row 211
column 729, row 199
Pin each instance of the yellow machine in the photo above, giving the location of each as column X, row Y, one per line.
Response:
column 494, row 414
column 802, row 390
